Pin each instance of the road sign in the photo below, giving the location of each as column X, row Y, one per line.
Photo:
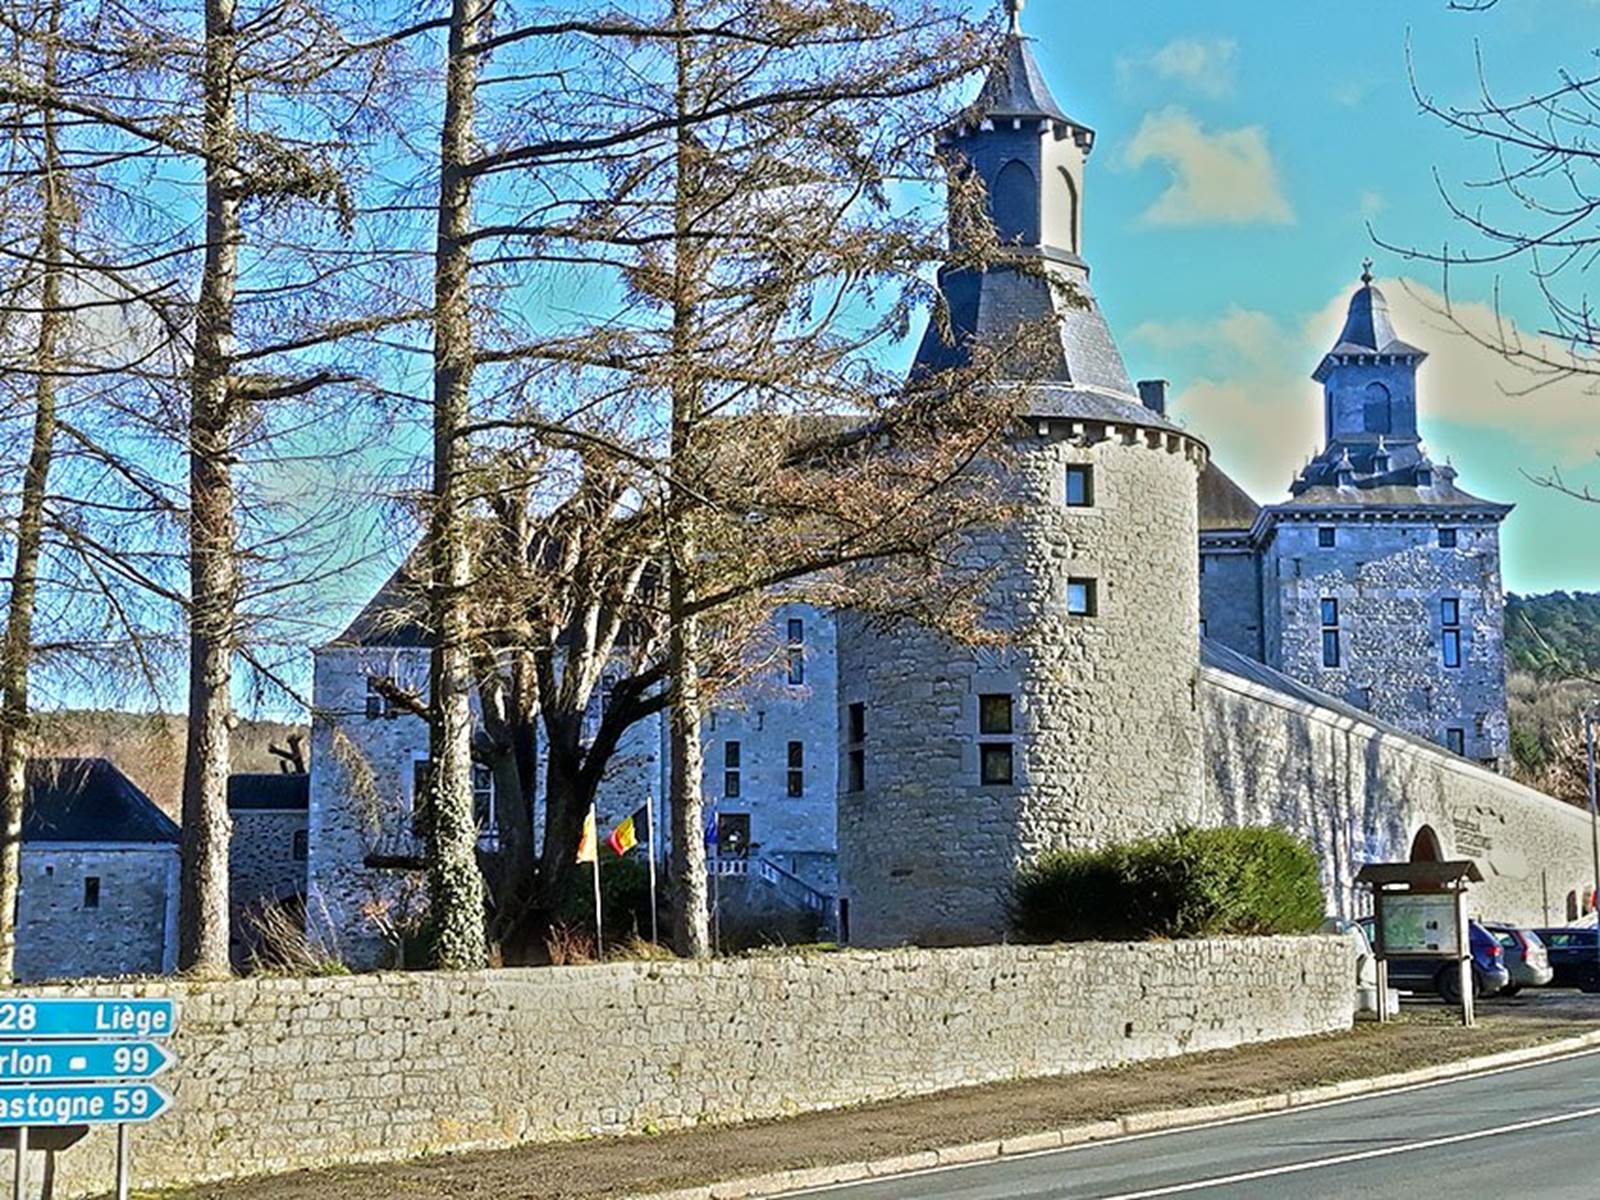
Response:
column 28, row 1018
column 82, row 1104
column 81, row 1062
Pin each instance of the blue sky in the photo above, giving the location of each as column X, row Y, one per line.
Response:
column 1243, row 148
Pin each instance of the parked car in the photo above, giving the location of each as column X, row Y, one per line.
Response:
column 1574, row 957
column 1443, row 978
column 1527, row 961
column 1366, row 965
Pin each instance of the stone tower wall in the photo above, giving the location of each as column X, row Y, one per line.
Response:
column 1106, row 732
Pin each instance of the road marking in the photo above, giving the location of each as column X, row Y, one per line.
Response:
column 1337, row 1160
column 1200, row 1126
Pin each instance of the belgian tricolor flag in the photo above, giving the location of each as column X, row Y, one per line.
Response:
column 630, row 832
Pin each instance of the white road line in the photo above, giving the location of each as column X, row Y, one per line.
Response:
column 1337, row 1160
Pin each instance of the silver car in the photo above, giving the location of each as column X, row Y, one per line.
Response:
column 1527, row 960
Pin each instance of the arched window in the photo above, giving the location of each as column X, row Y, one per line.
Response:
column 1425, row 846
column 1015, row 201
column 1376, row 416
column 1072, row 209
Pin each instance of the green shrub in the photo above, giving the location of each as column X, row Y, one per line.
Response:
column 1186, row 884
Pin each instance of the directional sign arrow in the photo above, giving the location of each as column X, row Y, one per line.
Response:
column 65, row 1062
column 26, row 1018
column 82, row 1104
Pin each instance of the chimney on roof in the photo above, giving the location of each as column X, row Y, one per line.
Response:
column 1153, row 394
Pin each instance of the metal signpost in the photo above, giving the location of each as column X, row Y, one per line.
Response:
column 70, row 1062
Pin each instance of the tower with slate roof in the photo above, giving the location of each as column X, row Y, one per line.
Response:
column 957, row 765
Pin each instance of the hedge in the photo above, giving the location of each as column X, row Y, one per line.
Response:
column 1190, row 883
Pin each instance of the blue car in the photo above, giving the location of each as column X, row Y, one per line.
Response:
column 1424, row 974
column 1574, row 957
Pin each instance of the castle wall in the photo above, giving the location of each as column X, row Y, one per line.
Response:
column 1361, row 794
column 1106, row 731
column 1389, row 578
column 1230, row 598
column 131, row 929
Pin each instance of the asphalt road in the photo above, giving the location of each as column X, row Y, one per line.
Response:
column 1528, row 1132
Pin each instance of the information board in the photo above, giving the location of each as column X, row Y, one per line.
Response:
column 1418, row 924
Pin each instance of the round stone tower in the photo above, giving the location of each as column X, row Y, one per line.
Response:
column 960, row 764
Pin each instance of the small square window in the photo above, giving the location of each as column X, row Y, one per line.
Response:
column 1448, row 539
column 994, row 713
column 376, row 705
column 858, row 722
column 1080, row 487
column 299, row 846
column 856, row 780
column 1327, row 537
column 1450, row 612
column 1082, row 600
column 1330, row 613
column 996, row 762
column 91, row 891
column 1455, row 741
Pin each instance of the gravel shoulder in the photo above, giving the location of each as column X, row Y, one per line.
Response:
column 1426, row 1035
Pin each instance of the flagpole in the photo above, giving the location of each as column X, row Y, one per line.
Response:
column 599, row 924
column 716, row 886
column 650, row 848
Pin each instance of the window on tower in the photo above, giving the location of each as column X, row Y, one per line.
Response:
column 1332, row 650
column 1080, row 487
column 1082, row 597
column 1448, row 539
column 1375, row 413
column 1450, row 630
column 1327, row 537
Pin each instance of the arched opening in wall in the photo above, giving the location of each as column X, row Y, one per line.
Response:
column 1375, row 412
column 1425, row 846
column 1072, row 209
column 1015, row 205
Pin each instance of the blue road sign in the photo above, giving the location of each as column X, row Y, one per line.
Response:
column 25, row 1018
column 66, row 1062
column 81, row 1104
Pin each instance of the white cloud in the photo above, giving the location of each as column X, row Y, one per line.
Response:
column 1372, row 203
column 1253, row 399
column 1203, row 65
column 1218, row 176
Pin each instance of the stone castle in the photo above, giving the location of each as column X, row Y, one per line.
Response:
column 1177, row 653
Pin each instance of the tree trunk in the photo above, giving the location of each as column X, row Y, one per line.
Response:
column 691, row 929
column 213, row 566
column 17, row 648
column 455, row 882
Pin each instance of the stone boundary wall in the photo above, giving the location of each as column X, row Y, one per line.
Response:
column 1363, row 793
column 277, row 1074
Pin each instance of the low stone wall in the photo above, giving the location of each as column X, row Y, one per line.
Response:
column 1362, row 793
column 277, row 1074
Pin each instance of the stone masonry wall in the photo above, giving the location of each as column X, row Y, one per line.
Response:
column 1106, row 729
column 131, row 931
column 1361, row 794
column 277, row 1074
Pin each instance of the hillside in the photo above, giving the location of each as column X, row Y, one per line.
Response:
column 1556, row 634
column 148, row 747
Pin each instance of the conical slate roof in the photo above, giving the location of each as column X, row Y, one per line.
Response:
column 1368, row 329
column 1016, row 88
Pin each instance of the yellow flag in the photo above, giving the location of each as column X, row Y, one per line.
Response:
column 587, row 846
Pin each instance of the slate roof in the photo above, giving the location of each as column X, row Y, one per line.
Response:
column 1223, row 503
column 277, row 791
column 1368, row 329
column 393, row 617
column 1016, row 88
column 89, row 800
column 1443, row 494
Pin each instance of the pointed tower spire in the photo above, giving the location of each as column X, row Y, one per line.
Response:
column 1014, row 7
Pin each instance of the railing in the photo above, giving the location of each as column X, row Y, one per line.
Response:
column 791, row 885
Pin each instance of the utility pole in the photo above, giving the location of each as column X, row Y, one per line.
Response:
column 1589, row 717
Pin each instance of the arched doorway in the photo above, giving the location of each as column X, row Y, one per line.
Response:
column 1425, row 846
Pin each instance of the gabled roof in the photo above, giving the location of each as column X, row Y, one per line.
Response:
column 1223, row 503
column 393, row 617
column 276, row 791
column 89, row 800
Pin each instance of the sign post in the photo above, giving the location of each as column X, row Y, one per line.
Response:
column 79, row 1062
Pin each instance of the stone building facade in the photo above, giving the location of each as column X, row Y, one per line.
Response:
column 99, row 887
column 267, row 860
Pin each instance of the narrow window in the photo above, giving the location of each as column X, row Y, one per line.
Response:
column 856, row 760
column 797, row 652
column 299, row 846
column 91, row 891
column 1448, row 539
column 1327, row 537
column 1450, row 622
column 1081, row 598
column 858, row 722
column 421, row 786
column 996, row 760
column 1080, row 487
column 1332, row 652
column 994, row 713
column 1455, row 741
column 483, row 795
column 731, row 759
column 607, row 686
column 376, row 705
column 1203, row 627
column 797, row 770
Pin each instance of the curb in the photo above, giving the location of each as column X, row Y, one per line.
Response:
column 780, row 1183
